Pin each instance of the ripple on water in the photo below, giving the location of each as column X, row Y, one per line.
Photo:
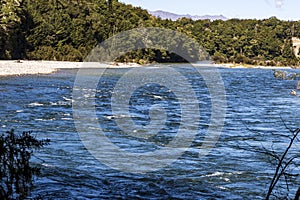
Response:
column 256, row 104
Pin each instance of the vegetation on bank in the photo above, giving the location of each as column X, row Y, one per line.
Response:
column 16, row 170
column 68, row 29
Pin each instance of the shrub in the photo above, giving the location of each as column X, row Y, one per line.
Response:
column 16, row 172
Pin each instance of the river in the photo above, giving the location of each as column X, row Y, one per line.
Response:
column 257, row 104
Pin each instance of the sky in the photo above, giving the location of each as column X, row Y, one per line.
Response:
column 245, row 9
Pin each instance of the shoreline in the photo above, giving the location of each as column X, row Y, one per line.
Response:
column 26, row 67
column 23, row 67
column 237, row 66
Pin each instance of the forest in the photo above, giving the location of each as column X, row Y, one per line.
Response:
column 67, row 30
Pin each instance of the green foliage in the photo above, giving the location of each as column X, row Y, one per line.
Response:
column 12, row 17
column 247, row 41
column 69, row 29
column 16, row 172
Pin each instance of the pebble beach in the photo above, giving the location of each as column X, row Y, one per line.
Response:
column 23, row 67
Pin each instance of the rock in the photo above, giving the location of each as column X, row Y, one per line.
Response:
column 293, row 92
column 283, row 75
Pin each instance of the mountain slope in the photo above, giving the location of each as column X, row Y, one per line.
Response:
column 174, row 17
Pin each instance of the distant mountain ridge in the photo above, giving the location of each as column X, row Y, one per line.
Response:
column 174, row 17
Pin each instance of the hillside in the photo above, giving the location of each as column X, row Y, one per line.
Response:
column 68, row 30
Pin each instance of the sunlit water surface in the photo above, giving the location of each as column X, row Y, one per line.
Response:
column 256, row 105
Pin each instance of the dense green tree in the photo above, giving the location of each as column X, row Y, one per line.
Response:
column 70, row 29
column 12, row 18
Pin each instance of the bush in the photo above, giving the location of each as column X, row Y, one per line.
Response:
column 43, row 53
column 219, row 58
column 16, row 172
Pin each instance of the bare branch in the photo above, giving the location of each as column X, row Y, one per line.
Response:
column 278, row 173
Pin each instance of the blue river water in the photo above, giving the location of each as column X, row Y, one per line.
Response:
column 258, row 105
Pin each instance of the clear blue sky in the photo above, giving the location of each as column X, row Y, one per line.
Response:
column 259, row 9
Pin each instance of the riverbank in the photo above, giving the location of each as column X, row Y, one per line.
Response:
column 22, row 67
column 232, row 65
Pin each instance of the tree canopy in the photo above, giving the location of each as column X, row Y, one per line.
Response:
column 68, row 30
